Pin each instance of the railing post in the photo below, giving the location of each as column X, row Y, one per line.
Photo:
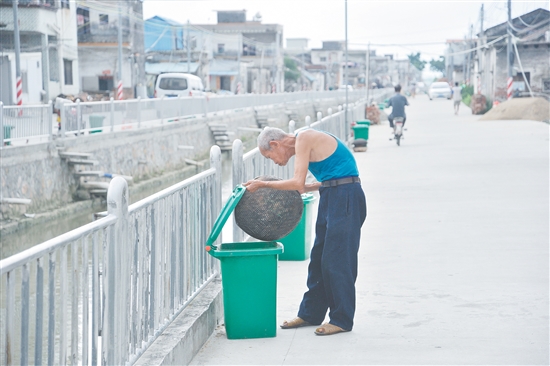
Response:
column 49, row 114
column 78, row 117
column 112, row 114
column 237, row 170
column 162, row 108
column 216, row 162
column 291, row 126
column 1, row 124
column 308, row 121
column 63, row 116
column 329, row 111
column 319, row 116
column 113, row 273
column 139, row 111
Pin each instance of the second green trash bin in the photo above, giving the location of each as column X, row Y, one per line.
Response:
column 298, row 243
column 96, row 121
column 361, row 131
column 249, row 279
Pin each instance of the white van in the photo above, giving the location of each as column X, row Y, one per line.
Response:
column 178, row 84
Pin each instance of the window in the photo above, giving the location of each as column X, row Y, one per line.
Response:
column 68, row 71
column 323, row 59
column 173, row 84
column 546, row 85
column 83, row 21
column 65, row 4
column 106, row 83
column 221, row 48
column 103, row 19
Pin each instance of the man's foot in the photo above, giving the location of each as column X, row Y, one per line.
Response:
column 295, row 323
column 329, row 329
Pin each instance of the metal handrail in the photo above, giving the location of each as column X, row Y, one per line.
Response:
column 102, row 293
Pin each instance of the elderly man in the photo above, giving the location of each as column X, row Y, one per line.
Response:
column 342, row 210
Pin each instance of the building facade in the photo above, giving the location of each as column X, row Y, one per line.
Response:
column 98, row 47
column 49, row 50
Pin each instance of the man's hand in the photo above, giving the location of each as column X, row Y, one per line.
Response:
column 310, row 187
column 254, row 184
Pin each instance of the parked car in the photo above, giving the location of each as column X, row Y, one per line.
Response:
column 178, row 84
column 440, row 89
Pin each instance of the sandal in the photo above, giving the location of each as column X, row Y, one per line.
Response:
column 329, row 329
column 295, row 323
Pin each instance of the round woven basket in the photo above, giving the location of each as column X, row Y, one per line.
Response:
column 269, row 214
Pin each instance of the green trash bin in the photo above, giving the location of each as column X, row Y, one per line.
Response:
column 96, row 121
column 298, row 243
column 7, row 134
column 381, row 106
column 365, row 122
column 249, row 279
column 361, row 132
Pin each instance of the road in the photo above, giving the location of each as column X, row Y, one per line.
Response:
column 454, row 253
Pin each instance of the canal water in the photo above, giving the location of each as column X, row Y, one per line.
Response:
column 39, row 233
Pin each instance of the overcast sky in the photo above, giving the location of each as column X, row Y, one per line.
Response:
column 383, row 23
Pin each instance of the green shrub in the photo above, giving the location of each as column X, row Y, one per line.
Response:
column 467, row 100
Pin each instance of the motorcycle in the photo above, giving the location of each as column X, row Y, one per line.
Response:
column 398, row 130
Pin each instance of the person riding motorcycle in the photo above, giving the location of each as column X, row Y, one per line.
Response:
column 398, row 103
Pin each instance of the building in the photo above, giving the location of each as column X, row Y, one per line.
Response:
column 259, row 56
column 49, row 53
column 456, row 61
column 98, row 47
column 531, row 66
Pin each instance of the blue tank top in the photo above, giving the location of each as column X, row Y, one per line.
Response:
column 340, row 164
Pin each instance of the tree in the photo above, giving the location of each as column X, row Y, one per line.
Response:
column 291, row 70
column 438, row 65
column 416, row 61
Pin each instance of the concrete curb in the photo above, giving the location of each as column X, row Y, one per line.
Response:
column 179, row 343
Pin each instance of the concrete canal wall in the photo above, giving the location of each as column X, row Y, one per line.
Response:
column 38, row 172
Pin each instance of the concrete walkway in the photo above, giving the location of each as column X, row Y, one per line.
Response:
column 454, row 253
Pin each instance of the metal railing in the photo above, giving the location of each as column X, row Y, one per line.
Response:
column 38, row 123
column 102, row 293
column 25, row 122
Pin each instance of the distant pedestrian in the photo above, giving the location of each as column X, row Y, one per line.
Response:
column 457, row 97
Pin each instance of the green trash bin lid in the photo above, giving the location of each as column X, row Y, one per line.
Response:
column 364, row 122
column 229, row 206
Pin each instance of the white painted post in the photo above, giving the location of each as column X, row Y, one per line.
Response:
column 49, row 114
column 112, row 114
column 329, row 111
column 308, row 121
column 319, row 116
column 139, row 111
column 78, row 117
column 291, row 126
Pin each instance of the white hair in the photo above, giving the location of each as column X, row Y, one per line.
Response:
column 269, row 134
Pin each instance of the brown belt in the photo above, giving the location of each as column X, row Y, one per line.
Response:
column 337, row 182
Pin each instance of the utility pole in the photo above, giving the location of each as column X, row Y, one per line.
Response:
column 18, row 81
column 480, row 56
column 346, row 69
column 510, row 53
column 367, row 71
column 469, row 54
column 188, row 49
column 119, row 74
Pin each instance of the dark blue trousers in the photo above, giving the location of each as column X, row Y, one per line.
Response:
column 332, row 269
